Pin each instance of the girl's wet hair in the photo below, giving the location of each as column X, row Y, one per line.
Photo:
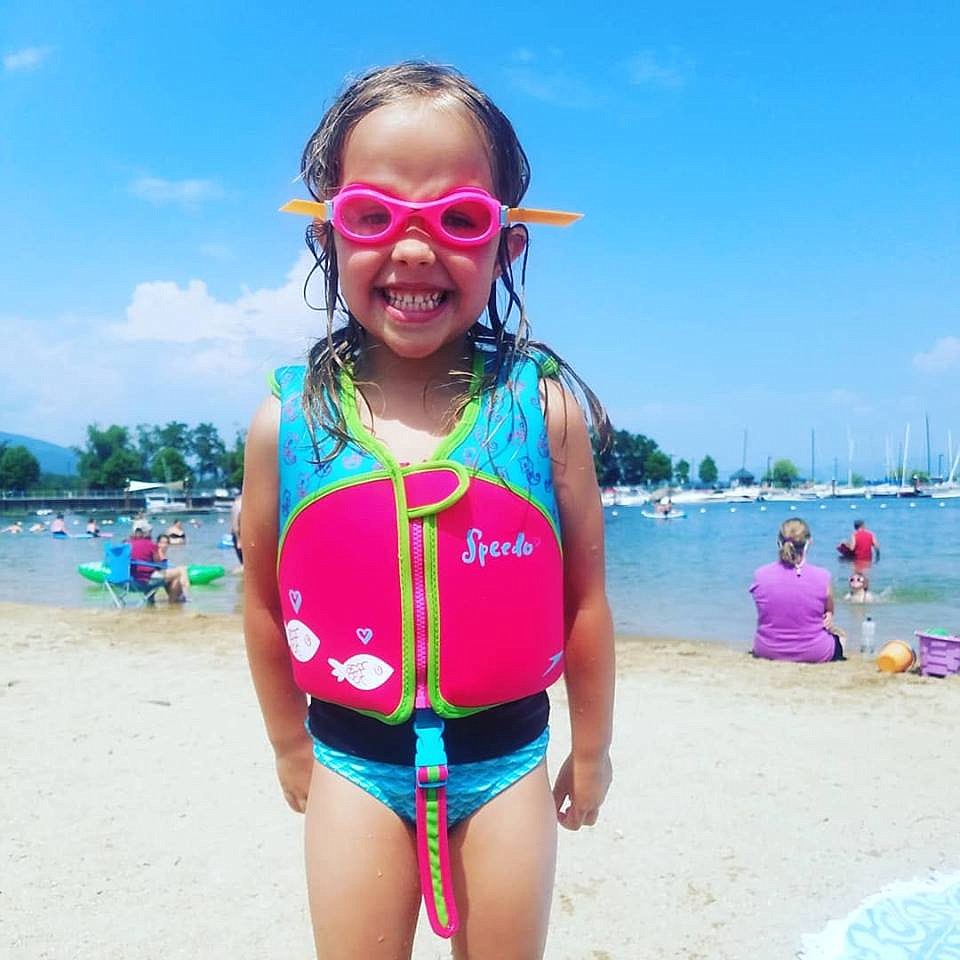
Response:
column 792, row 540
column 321, row 168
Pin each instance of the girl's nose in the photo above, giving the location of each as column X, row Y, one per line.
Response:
column 414, row 246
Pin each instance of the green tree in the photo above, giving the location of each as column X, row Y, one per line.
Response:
column 632, row 451
column 784, row 473
column 232, row 463
column 605, row 464
column 19, row 469
column 707, row 471
column 148, row 441
column 118, row 469
column 208, row 450
column 169, row 466
column 177, row 436
column 657, row 467
column 109, row 460
column 681, row 472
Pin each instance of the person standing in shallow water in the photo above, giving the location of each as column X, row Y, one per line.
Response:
column 235, row 527
column 863, row 545
column 420, row 167
column 794, row 601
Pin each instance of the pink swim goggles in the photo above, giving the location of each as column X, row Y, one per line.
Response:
column 465, row 217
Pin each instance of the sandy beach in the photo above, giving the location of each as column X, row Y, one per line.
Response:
column 752, row 801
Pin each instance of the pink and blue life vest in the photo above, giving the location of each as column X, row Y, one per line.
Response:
column 435, row 587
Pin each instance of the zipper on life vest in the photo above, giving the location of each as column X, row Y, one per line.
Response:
column 419, row 613
column 430, row 761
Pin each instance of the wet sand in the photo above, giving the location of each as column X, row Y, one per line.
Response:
column 752, row 801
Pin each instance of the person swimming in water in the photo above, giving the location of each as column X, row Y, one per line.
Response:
column 859, row 591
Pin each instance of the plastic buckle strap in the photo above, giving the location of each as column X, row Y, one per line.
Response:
column 433, row 853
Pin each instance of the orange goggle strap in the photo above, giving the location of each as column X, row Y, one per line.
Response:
column 551, row 218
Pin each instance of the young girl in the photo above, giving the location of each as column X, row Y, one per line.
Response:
column 418, row 475
column 859, row 589
column 176, row 580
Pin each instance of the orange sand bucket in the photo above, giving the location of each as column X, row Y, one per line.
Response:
column 895, row 656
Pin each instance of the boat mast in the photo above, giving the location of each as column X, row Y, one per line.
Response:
column 953, row 468
column 849, row 458
column 926, row 417
column 813, row 457
column 906, row 446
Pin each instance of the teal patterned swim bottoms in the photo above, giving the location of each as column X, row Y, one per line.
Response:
column 469, row 785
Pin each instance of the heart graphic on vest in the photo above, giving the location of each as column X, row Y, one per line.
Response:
column 364, row 635
column 296, row 598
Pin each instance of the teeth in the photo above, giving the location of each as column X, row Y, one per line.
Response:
column 414, row 301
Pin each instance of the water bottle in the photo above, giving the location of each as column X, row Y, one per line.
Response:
column 868, row 636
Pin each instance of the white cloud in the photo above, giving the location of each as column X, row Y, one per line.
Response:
column 547, row 78
column 29, row 58
column 671, row 70
column 523, row 55
column 217, row 251
column 848, row 401
column 552, row 86
column 181, row 353
column 159, row 191
column 162, row 311
column 942, row 356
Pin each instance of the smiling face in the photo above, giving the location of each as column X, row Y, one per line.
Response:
column 414, row 294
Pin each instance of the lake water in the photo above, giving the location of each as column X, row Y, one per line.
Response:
column 690, row 578
column 682, row 578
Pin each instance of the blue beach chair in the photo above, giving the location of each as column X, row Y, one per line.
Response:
column 120, row 583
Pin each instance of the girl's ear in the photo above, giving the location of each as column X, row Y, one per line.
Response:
column 516, row 244
column 320, row 233
column 516, row 241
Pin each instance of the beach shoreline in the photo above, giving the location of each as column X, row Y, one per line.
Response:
column 752, row 801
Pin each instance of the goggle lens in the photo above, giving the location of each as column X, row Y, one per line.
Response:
column 364, row 216
column 466, row 220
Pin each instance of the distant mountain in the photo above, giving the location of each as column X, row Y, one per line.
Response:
column 52, row 458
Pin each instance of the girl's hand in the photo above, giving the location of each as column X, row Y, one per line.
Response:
column 584, row 783
column 828, row 621
column 294, row 767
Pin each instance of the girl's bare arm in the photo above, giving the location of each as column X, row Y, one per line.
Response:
column 585, row 776
column 282, row 703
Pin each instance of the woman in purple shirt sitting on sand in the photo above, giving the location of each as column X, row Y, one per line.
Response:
column 795, row 603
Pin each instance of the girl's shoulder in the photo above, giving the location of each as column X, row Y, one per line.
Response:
column 284, row 381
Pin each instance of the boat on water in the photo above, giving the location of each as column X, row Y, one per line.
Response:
column 158, row 497
column 163, row 503
column 624, row 497
column 658, row 515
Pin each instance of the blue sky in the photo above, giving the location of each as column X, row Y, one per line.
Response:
column 771, row 196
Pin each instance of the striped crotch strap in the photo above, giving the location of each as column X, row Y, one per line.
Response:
column 433, row 851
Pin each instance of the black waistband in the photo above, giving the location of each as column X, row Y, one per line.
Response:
column 481, row 736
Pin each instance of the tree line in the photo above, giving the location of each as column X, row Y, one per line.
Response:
column 113, row 456
column 634, row 460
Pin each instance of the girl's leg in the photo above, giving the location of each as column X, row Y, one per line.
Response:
column 184, row 583
column 173, row 584
column 362, row 878
column 503, row 859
